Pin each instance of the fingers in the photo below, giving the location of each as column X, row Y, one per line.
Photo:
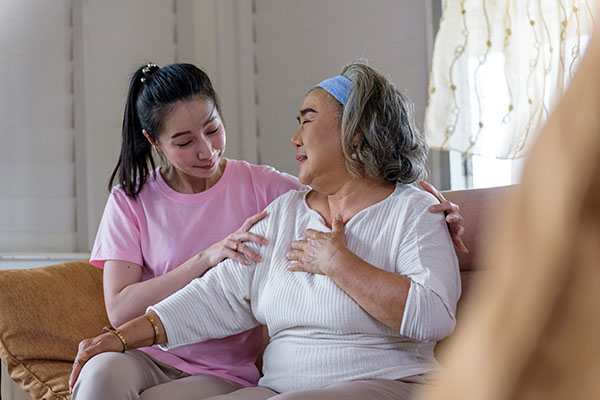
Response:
column 249, row 253
column 294, row 255
column 236, row 255
column 431, row 189
column 338, row 224
column 235, row 248
column 457, row 239
column 74, row 375
column 249, row 237
column 250, row 221
column 296, row 267
column 459, row 244
column 235, row 242
column 452, row 211
column 296, row 258
column 83, row 355
column 445, row 206
column 89, row 348
column 299, row 244
column 454, row 219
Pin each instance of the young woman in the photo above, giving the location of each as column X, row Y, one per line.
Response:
column 163, row 227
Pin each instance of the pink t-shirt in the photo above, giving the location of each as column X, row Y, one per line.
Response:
column 162, row 228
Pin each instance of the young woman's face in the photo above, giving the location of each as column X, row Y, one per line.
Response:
column 193, row 137
column 318, row 142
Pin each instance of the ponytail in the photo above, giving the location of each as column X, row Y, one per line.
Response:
column 136, row 151
column 152, row 92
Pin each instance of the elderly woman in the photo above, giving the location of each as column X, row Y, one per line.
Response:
column 359, row 279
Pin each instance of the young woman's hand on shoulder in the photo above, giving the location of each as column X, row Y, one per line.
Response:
column 233, row 246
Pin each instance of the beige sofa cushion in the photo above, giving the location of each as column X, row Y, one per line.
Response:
column 44, row 314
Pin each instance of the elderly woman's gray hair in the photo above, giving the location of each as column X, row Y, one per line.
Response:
column 379, row 135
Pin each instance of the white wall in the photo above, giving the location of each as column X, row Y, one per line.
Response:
column 299, row 43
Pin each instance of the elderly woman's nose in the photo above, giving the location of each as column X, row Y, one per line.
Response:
column 296, row 141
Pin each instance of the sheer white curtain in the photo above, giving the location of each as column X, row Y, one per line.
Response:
column 498, row 68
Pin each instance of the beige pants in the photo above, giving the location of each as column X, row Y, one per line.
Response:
column 135, row 375
column 372, row 389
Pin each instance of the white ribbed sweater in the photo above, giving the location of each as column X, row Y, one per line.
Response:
column 319, row 334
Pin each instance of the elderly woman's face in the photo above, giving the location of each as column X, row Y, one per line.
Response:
column 318, row 142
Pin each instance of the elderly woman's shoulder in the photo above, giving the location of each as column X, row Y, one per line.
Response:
column 413, row 195
column 293, row 199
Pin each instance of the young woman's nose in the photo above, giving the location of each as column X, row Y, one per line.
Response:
column 204, row 149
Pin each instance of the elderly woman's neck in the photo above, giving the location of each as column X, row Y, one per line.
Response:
column 349, row 198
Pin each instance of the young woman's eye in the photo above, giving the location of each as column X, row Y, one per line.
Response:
column 183, row 144
column 212, row 132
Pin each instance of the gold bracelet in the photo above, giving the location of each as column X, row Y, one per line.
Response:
column 118, row 334
column 155, row 330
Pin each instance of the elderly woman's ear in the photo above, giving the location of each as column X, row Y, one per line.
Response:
column 356, row 139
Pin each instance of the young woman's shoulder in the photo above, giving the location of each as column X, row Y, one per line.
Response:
column 149, row 189
column 266, row 172
column 267, row 182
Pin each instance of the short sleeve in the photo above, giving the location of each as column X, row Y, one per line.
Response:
column 270, row 184
column 118, row 236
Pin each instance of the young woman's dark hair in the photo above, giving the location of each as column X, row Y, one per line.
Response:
column 152, row 93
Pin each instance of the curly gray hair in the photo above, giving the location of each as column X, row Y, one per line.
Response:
column 379, row 135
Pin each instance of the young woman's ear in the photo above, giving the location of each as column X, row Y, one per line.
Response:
column 153, row 142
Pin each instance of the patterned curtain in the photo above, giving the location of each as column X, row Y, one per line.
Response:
column 499, row 67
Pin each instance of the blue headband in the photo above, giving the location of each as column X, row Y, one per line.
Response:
column 338, row 86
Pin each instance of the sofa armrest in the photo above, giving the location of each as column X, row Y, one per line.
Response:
column 44, row 314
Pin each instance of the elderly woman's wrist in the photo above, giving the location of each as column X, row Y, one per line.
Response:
column 115, row 333
column 339, row 262
column 139, row 332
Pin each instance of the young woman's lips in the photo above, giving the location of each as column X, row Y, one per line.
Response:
column 210, row 166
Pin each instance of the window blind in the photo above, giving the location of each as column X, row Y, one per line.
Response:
column 37, row 173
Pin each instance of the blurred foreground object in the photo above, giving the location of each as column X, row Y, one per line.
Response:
column 532, row 330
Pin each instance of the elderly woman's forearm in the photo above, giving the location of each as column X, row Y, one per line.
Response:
column 380, row 293
column 146, row 330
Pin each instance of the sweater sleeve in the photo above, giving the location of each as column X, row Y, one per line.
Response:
column 216, row 305
column 429, row 313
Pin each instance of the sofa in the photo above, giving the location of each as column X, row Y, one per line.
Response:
column 45, row 312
